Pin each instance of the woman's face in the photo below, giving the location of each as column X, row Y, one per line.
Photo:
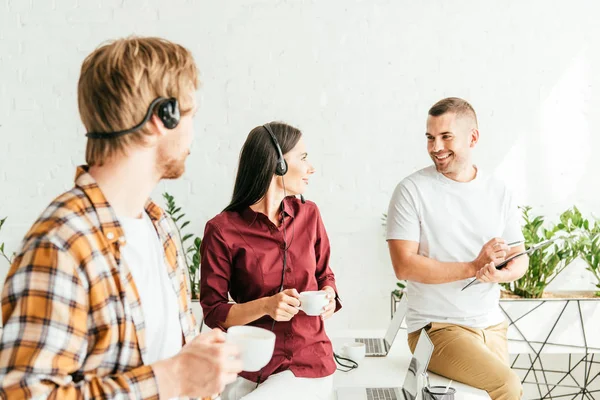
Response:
column 299, row 169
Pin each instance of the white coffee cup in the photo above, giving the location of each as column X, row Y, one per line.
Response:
column 256, row 345
column 354, row 351
column 312, row 303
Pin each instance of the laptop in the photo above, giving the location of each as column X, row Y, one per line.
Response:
column 380, row 347
column 417, row 367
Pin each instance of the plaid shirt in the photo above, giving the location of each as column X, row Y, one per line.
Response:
column 73, row 322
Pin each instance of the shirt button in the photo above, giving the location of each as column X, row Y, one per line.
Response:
column 288, row 269
column 282, row 246
column 110, row 236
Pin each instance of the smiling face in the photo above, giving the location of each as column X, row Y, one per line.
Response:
column 450, row 142
column 299, row 169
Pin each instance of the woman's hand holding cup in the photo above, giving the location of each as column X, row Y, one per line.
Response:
column 329, row 309
column 283, row 306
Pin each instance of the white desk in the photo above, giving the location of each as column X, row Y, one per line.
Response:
column 389, row 371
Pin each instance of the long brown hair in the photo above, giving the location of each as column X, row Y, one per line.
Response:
column 258, row 159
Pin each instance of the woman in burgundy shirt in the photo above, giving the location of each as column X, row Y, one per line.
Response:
column 243, row 252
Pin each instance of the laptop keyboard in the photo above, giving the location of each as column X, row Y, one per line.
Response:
column 381, row 394
column 373, row 346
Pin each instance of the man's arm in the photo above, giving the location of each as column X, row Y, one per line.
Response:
column 409, row 265
column 45, row 310
column 511, row 272
column 403, row 233
column 45, row 314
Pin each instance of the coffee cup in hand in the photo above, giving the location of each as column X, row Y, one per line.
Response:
column 354, row 351
column 256, row 345
column 312, row 303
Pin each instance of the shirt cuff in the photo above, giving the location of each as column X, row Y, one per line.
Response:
column 218, row 316
column 331, row 283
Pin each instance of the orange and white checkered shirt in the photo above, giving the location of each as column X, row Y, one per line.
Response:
column 73, row 322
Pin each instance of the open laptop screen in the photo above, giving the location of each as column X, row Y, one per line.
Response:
column 394, row 326
column 418, row 363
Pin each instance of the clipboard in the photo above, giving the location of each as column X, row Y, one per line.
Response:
column 505, row 262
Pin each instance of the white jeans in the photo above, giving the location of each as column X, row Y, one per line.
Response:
column 283, row 385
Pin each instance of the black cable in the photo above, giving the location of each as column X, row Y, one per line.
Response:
column 352, row 364
column 285, row 249
column 111, row 135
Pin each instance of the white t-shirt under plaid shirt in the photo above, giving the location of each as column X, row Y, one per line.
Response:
column 145, row 256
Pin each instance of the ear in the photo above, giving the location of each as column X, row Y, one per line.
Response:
column 474, row 137
column 156, row 126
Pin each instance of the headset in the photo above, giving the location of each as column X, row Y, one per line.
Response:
column 281, row 168
column 166, row 109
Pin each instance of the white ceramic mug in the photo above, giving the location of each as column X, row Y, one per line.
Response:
column 312, row 303
column 354, row 351
column 256, row 345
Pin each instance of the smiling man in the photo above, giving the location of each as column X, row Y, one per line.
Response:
column 447, row 224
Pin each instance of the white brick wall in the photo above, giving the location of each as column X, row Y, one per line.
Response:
column 356, row 76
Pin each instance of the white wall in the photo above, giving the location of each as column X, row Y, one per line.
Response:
column 356, row 76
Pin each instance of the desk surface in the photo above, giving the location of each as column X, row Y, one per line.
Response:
column 389, row 371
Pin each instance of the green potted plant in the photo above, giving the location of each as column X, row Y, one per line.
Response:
column 575, row 238
column 544, row 324
column 547, row 263
column 192, row 252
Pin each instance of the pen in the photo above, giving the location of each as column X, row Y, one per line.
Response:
column 501, row 265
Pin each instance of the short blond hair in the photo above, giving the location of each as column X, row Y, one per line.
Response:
column 455, row 105
column 118, row 82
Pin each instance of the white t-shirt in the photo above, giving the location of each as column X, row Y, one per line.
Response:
column 144, row 256
column 452, row 221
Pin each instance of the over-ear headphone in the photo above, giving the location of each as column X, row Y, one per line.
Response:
column 166, row 109
column 281, row 167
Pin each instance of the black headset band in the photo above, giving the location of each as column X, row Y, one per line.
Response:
column 275, row 142
column 112, row 135
column 281, row 166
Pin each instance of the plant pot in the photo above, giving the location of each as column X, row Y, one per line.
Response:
column 559, row 322
column 553, row 342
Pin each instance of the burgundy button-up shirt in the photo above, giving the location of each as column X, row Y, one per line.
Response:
column 242, row 254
